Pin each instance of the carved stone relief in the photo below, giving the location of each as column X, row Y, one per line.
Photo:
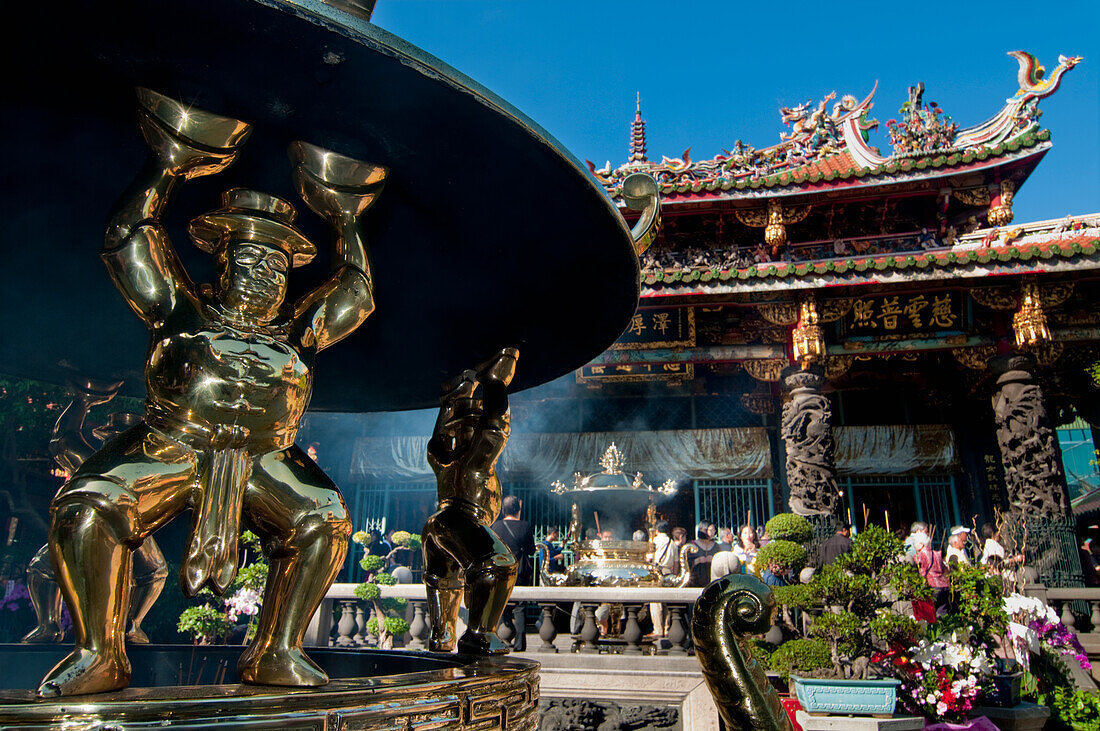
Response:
column 807, row 433
column 1033, row 476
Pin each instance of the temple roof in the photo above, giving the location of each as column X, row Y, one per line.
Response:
column 1042, row 246
column 827, row 145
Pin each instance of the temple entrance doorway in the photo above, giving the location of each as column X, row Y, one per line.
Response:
column 901, row 500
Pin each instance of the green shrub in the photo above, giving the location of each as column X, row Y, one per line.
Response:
column 844, row 633
column 371, row 562
column 368, row 592
column 789, row 527
column 396, row 626
column 404, row 539
column 894, row 629
column 977, row 599
column 1075, row 710
column 835, row 586
column 252, row 576
column 760, row 650
column 786, row 554
column 800, row 656
column 798, row 596
column 204, row 623
column 906, row 580
column 383, row 579
column 872, row 550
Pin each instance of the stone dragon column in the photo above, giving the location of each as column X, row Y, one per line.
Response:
column 807, row 431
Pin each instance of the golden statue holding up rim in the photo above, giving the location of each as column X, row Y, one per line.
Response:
column 228, row 377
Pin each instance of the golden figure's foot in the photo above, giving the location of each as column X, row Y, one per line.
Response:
column 48, row 632
column 482, row 643
column 442, row 642
column 137, row 636
column 279, row 666
column 86, row 671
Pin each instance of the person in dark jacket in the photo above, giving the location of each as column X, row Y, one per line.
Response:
column 837, row 545
column 520, row 539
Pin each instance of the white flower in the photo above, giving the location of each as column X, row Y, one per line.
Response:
column 930, row 699
column 245, row 601
column 941, row 708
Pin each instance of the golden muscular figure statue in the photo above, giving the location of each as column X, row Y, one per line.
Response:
column 70, row 448
column 470, row 434
column 228, row 377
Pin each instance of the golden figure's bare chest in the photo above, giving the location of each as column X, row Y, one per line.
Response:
column 219, row 375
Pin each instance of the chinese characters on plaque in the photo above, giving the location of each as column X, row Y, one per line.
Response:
column 648, row 329
column 667, row 327
column 906, row 314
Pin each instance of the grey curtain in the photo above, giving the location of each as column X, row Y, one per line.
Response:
column 659, row 455
column 897, row 449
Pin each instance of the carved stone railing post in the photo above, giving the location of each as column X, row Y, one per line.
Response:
column 1095, row 617
column 677, row 631
column 370, row 638
column 345, row 628
column 418, row 628
column 807, row 430
column 359, row 638
column 590, row 631
column 632, row 632
column 547, row 632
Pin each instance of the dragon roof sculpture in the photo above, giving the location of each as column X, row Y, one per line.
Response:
column 829, row 142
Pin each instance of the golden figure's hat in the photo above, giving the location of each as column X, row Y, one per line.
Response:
column 248, row 215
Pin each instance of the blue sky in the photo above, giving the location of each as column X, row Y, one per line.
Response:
column 712, row 72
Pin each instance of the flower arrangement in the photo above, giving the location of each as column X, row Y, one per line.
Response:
column 1033, row 625
column 941, row 679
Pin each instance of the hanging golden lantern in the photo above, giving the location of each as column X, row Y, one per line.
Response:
column 1030, row 322
column 807, row 337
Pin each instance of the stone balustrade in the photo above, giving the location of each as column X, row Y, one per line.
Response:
column 342, row 618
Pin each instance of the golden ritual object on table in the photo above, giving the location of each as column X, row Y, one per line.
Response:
column 225, row 87
column 616, row 496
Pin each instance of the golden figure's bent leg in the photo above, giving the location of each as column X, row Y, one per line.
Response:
column 298, row 511
column 114, row 500
column 45, row 598
column 490, row 574
column 150, row 572
column 93, row 571
column 443, row 587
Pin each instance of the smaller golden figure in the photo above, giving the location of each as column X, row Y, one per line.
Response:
column 70, row 448
column 460, row 551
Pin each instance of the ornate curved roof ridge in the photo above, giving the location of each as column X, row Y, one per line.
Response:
column 828, row 143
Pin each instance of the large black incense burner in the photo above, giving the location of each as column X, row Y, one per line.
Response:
column 192, row 688
column 484, row 217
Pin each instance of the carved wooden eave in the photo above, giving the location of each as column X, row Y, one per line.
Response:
column 1008, row 298
column 766, row 369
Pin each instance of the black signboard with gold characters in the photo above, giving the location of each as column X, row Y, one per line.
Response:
column 664, row 327
column 594, row 375
column 906, row 314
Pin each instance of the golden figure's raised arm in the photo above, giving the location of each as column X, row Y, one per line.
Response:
column 338, row 189
column 495, row 425
column 184, row 143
